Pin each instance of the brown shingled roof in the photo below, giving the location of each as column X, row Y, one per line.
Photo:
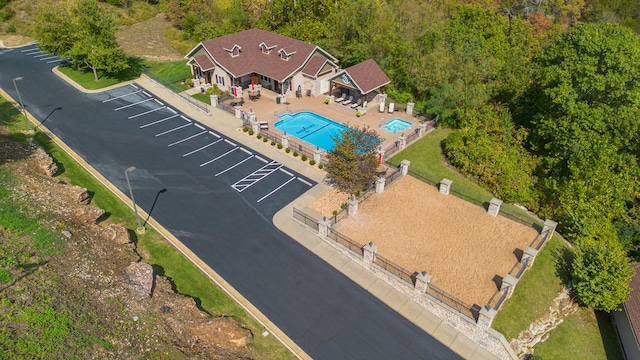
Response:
column 367, row 76
column 314, row 66
column 204, row 62
column 252, row 59
column 633, row 305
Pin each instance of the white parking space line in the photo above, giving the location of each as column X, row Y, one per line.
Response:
column 186, row 139
column 216, row 158
column 147, row 112
column 229, row 168
column 173, row 111
column 276, row 189
column 134, row 86
column 159, row 102
column 174, row 129
column 286, row 172
column 229, row 142
column 54, row 61
column 158, row 121
column 30, row 50
column 146, row 93
column 214, row 134
column 49, row 58
column 41, row 55
column 304, row 181
column 261, row 159
column 251, row 179
column 133, row 104
column 121, row 96
column 202, row 148
column 185, row 118
column 247, row 151
column 199, row 126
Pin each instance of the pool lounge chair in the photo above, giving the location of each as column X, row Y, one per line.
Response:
column 341, row 98
column 264, row 125
column 391, row 105
column 355, row 105
column 348, row 101
column 381, row 107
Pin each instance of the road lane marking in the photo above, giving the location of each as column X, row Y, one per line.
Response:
column 247, row 151
column 199, row 126
column 158, row 121
column 261, row 159
column 187, row 138
column 202, row 148
column 121, row 96
column 304, row 181
column 147, row 112
column 214, row 134
column 218, row 157
column 172, row 130
column 54, row 61
column 41, row 55
column 251, row 179
column 286, row 172
column 133, row 104
column 229, row 168
column 276, row 189
column 49, row 58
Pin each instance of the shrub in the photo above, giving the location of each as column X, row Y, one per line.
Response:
column 287, row 150
column 279, row 146
column 358, row 113
column 11, row 29
column 320, row 166
column 251, row 132
column 343, row 205
column 245, row 129
column 312, row 162
column 259, row 136
column 304, row 157
column 189, row 82
column 335, row 212
column 295, row 154
column 326, row 100
column 265, row 139
column 273, row 143
column 209, row 90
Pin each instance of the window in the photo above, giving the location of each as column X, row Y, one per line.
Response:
column 234, row 51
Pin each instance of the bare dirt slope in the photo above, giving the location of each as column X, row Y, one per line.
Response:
column 146, row 40
column 415, row 226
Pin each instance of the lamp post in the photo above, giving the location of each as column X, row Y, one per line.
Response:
column 140, row 229
column 26, row 120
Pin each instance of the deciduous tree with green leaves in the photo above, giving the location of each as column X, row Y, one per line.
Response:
column 84, row 33
column 601, row 273
column 353, row 162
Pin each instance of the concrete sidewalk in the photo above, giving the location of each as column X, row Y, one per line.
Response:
column 231, row 126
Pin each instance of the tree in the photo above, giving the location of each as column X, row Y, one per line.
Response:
column 601, row 274
column 352, row 161
column 85, row 34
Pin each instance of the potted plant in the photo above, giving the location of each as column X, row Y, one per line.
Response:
column 358, row 113
column 326, row 100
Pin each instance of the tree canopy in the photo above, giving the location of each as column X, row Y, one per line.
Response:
column 83, row 33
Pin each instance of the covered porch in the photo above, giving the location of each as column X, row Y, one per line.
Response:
column 358, row 84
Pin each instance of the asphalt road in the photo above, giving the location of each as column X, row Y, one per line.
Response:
column 218, row 198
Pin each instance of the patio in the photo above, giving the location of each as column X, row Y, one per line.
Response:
column 266, row 109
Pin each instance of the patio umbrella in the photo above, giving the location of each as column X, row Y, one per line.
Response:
column 252, row 88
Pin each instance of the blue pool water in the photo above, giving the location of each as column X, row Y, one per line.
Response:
column 310, row 127
column 396, row 124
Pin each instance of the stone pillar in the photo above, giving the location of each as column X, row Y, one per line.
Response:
column 331, row 99
column 508, row 284
column 352, row 206
column 494, row 207
column 238, row 110
column 323, row 227
column 422, row 283
column 445, row 186
column 253, row 121
column 214, row 100
column 285, row 141
column 404, row 167
column 486, row 316
column 410, row 106
column 549, row 228
column 369, row 253
column 380, row 184
column 529, row 255
column 422, row 129
column 317, row 156
column 402, row 142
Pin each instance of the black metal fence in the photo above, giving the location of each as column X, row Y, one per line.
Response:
column 394, row 269
column 306, row 219
column 345, row 241
column 452, row 301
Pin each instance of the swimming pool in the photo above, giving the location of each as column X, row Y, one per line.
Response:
column 315, row 129
column 396, row 124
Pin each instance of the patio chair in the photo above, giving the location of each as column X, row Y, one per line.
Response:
column 341, row 98
column 264, row 125
column 356, row 104
column 348, row 101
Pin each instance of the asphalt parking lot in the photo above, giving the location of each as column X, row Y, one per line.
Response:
column 218, row 197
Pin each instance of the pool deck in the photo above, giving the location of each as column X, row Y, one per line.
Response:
column 266, row 109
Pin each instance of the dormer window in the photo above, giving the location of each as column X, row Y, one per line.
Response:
column 266, row 49
column 284, row 55
column 234, row 51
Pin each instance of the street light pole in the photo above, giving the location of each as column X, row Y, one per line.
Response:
column 140, row 229
column 24, row 112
